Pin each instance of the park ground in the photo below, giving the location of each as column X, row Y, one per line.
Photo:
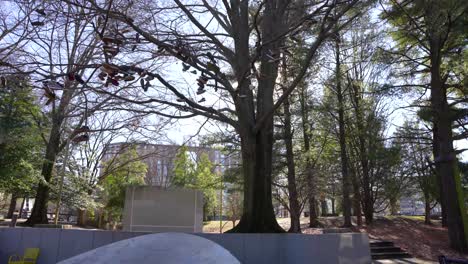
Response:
column 425, row 242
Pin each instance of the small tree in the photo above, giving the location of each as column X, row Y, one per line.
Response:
column 183, row 168
column 200, row 177
column 208, row 182
column 129, row 172
column 234, row 206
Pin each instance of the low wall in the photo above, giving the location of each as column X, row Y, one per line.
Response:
column 60, row 244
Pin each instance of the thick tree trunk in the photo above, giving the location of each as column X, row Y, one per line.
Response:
column 368, row 209
column 81, row 219
column 39, row 211
column 258, row 214
column 393, row 207
column 294, row 207
column 446, row 161
column 342, row 140
column 435, row 152
column 257, row 139
column 313, row 214
column 12, row 207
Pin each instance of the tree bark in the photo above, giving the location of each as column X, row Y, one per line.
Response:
column 12, row 207
column 427, row 210
column 393, row 206
column 39, row 211
column 21, row 208
column 313, row 215
column 258, row 214
column 294, row 207
column 324, row 209
column 435, row 152
column 363, row 158
column 342, row 141
column 357, row 199
column 446, row 161
column 81, row 219
column 257, row 141
column 333, row 206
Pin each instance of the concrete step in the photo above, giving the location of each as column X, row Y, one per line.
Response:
column 381, row 244
column 385, row 249
column 390, row 255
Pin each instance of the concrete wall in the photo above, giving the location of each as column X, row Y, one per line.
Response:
column 151, row 209
column 58, row 244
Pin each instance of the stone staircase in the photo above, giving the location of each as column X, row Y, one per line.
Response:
column 386, row 250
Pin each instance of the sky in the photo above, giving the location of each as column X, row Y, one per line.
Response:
column 185, row 129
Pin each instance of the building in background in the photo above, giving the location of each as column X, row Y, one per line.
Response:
column 414, row 205
column 160, row 159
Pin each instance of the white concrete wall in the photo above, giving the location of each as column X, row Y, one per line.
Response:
column 58, row 244
column 152, row 209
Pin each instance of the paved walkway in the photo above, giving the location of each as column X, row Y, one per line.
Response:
column 403, row 261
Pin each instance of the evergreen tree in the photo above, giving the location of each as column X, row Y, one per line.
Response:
column 430, row 39
column 20, row 141
column 199, row 176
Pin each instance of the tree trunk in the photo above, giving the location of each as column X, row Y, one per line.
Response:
column 363, row 157
column 313, row 215
column 333, row 206
column 323, row 205
column 446, row 161
column 258, row 215
column 393, row 206
column 342, row 141
column 294, row 207
column 357, row 200
column 435, row 152
column 39, row 211
column 21, row 208
column 427, row 210
column 12, row 207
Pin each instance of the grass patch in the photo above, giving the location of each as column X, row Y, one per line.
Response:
column 411, row 217
column 213, row 226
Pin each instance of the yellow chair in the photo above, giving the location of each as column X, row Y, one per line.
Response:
column 30, row 257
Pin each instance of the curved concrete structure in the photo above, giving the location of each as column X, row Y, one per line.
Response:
column 157, row 248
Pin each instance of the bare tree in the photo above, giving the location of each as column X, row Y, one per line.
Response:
column 215, row 40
